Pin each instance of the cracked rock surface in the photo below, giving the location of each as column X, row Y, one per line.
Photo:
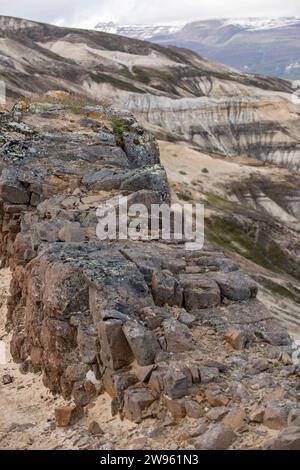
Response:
column 171, row 336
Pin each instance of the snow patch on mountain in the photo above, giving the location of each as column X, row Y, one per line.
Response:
column 139, row 31
column 257, row 24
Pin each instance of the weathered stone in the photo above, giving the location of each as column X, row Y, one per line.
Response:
column 193, row 409
column 142, row 342
column 154, row 316
column 156, row 382
column 218, row 437
column 166, row 289
column 276, row 415
column 68, row 415
column 257, row 415
column 208, row 374
column 178, row 336
column 238, row 339
column 176, row 408
column 94, row 429
column 236, row 285
column 208, row 295
column 88, row 346
column 136, row 401
column 215, row 398
column 288, row 439
column 7, row 379
column 11, row 190
column 235, row 419
column 294, row 417
column 177, row 380
column 144, row 373
column 115, row 350
column 187, row 318
column 72, row 232
column 217, row 413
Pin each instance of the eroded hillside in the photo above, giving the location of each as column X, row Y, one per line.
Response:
column 182, row 95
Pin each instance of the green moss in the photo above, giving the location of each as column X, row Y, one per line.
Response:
column 76, row 109
column 184, row 197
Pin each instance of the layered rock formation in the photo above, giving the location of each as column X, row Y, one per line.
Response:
column 129, row 318
column 228, row 126
column 180, row 94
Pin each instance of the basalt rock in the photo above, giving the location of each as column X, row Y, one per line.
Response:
column 95, row 316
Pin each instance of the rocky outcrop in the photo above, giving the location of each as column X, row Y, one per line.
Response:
column 125, row 317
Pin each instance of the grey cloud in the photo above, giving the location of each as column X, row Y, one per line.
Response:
column 87, row 13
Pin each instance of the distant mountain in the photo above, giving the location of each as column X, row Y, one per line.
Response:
column 139, row 31
column 269, row 46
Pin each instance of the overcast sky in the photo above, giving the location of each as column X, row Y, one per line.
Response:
column 86, row 13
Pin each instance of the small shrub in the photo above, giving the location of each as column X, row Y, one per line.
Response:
column 182, row 172
column 205, row 170
column 118, row 126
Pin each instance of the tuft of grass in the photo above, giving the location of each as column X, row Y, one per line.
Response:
column 204, row 170
column 184, row 196
column 183, row 172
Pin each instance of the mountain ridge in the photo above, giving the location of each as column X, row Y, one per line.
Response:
column 258, row 45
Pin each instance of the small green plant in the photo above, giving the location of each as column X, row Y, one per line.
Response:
column 182, row 172
column 76, row 109
column 118, row 126
column 184, row 197
column 205, row 170
column 195, row 183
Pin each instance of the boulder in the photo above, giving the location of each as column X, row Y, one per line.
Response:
column 115, row 350
column 235, row 419
column 166, row 289
column 236, row 286
column 208, row 374
column 68, row 415
column 276, row 415
column 176, row 407
column 193, row 409
column 288, row 439
column 237, row 338
column 177, row 380
column 216, row 398
column 142, row 342
column 199, row 292
column 218, row 437
column 136, row 401
column 178, row 336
